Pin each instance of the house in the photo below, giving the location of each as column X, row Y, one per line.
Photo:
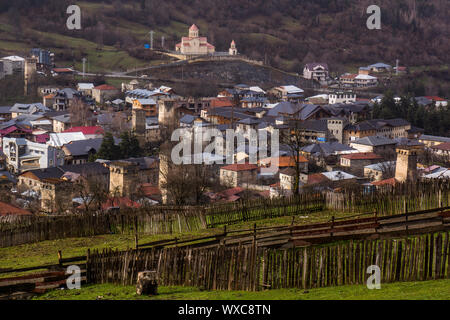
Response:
column 7, row 209
column 284, row 162
column 62, row 72
column 104, row 92
column 27, row 109
column 229, row 195
column 438, row 101
column 431, row 141
column 442, row 149
column 148, row 105
column 338, row 176
column 380, row 67
column 380, row 171
column 15, row 131
column 356, row 162
column 442, row 174
column 94, row 172
column 424, row 102
column 316, row 71
column 287, row 179
column 288, row 93
column 23, row 155
column 92, row 132
column 13, row 64
column 85, row 88
column 78, row 152
column 246, row 125
column 348, row 79
column 365, row 81
column 63, row 98
column 392, row 128
column 341, row 97
column 326, row 153
column 237, row 174
column 44, row 58
column 7, row 181
column 156, row 94
column 5, row 113
column 61, row 122
column 376, row 144
column 59, row 139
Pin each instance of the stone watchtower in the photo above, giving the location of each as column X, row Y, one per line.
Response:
column 124, row 178
column 29, row 72
column 406, row 169
column 139, row 125
column 169, row 119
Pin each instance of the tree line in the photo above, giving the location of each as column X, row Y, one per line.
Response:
column 434, row 120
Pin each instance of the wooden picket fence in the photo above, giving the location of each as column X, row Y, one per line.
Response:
column 168, row 220
column 389, row 200
column 250, row 268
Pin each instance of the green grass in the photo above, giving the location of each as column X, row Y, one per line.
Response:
column 430, row 290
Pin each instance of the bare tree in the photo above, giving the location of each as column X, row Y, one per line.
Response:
column 295, row 142
column 80, row 114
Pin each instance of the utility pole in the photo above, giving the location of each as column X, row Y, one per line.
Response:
column 162, row 42
column 84, row 67
column 151, row 39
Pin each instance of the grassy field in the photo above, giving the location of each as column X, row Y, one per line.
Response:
column 430, row 290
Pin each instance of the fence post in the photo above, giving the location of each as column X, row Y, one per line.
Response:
column 406, row 218
column 60, row 258
column 376, row 221
column 136, row 239
column 332, row 226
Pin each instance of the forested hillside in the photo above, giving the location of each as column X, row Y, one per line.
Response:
column 285, row 33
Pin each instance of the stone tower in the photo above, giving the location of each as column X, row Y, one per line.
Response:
column 124, row 177
column 169, row 119
column 233, row 50
column 406, row 164
column 139, row 125
column 168, row 113
column 29, row 72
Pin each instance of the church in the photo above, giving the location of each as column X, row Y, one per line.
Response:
column 194, row 44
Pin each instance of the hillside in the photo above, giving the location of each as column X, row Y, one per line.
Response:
column 284, row 33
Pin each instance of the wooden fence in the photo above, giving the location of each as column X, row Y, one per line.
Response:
column 168, row 220
column 30, row 229
column 250, row 268
column 389, row 200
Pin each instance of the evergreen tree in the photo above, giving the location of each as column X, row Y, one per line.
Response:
column 108, row 149
column 129, row 146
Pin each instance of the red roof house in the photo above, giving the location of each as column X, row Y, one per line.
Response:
column 87, row 131
column 10, row 210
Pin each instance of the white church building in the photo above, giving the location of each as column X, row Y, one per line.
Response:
column 194, row 44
